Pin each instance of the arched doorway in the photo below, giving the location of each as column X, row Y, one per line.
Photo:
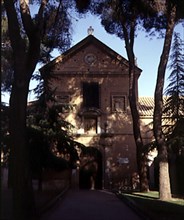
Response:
column 90, row 174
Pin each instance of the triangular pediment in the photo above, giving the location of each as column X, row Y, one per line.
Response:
column 89, row 55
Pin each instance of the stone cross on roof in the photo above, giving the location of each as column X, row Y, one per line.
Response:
column 90, row 30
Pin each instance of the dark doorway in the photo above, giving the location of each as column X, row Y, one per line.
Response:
column 90, row 175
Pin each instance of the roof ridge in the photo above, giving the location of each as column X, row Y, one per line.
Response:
column 79, row 45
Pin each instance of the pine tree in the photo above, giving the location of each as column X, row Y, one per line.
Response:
column 174, row 106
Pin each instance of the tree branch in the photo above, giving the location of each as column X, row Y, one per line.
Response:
column 40, row 14
column 132, row 34
column 26, row 18
column 13, row 25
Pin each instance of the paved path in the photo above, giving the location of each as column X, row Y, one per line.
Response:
column 90, row 205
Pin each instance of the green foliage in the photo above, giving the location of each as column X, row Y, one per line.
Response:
column 57, row 24
column 174, row 106
column 56, row 131
column 175, row 139
column 4, row 133
column 175, row 90
column 6, row 57
column 40, row 153
column 54, row 30
column 153, row 208
column 116, row 13
column 82, row 5
column 29, row 28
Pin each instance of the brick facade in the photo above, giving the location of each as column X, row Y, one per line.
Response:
column 91, row 84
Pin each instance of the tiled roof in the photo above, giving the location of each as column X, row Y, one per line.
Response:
column 146, row 106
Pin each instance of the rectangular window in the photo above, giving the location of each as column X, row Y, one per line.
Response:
column 91, row 95
column 90, row 124
column 63, row 101
column 118, row 103
column 63, row 98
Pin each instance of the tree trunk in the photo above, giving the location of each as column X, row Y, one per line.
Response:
column 23, row 200
column 26, row 52
column 141, row 157
column 164, row 180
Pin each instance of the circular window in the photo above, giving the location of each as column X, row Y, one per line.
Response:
column 90, row 58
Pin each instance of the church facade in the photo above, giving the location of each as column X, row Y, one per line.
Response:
column 91, row 84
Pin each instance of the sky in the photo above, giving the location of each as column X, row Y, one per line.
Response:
column 147, row 52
